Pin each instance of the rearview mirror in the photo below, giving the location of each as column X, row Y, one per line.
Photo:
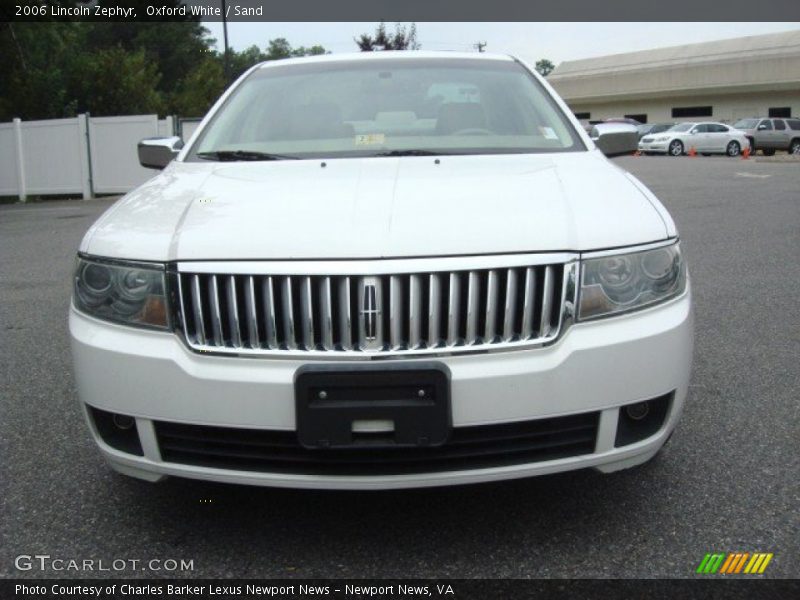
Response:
column 158, row 152
column 613, row 139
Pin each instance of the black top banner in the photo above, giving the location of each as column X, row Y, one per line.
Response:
column 407, row 10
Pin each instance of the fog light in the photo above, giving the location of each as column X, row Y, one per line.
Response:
column 638, row 411
column 640, row 420
column 118, row 431
column 123, row 421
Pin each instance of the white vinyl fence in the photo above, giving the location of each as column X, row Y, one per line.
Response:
column 85, row 155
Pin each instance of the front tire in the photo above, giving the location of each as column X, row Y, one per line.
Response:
column 733, row 149
column 676, row 148
column 794, row 147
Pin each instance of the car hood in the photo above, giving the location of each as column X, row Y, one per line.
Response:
column 380, row 208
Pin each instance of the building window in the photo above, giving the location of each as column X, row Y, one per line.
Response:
column 683, row 112
column 782, row 112
column 642, row 118
column 583, row 116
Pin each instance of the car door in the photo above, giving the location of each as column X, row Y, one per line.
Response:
column 781, row 133
column 697, row 138
column 763, row 134
column 718, row 137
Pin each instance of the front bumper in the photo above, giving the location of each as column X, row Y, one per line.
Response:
column 658, row 147
column 595, row 367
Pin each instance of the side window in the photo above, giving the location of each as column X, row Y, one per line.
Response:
column 700, row 129
column 794, row 124
column 765, row 125
column 779, row 125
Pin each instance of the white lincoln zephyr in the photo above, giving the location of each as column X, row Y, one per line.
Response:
column 379, row 271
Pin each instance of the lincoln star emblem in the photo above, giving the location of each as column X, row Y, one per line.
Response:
column 370, row 311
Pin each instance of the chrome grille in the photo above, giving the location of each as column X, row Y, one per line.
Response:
column 403, row 313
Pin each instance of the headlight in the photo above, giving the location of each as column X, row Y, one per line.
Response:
column 618, row 283
column 133, row 294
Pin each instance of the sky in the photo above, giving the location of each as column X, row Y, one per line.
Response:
column 528, row 41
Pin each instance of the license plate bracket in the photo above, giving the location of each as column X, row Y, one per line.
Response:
column 414, row 398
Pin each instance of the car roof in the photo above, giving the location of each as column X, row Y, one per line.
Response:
column 387, row 56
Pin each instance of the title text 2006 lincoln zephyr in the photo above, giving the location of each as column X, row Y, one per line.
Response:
column 387, row 270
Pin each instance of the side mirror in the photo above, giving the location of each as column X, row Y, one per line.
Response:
column 613, row 139
column 158, row 152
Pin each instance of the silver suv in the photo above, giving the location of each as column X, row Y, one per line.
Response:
column 769, row 135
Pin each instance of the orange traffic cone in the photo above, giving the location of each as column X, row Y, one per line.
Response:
column 746, row 153
column 692, row 152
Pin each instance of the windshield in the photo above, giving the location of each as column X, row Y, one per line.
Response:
column 746, row 124
column 682, row 127
column 386, row 107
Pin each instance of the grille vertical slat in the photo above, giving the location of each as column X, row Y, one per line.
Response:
column 252, row 313
column 414, row 311
column 454, row 310
column 345, row 319
column 547, row 302
column 473, row 300
column 509, row 317
column 287, row 304
column 216, row 318
column 529, row 303
column 197, row 311
column 396, row 312
column 326, row 312
column 491, row 306
column 270, row 320
column 233, row 312
column 306, row 314
column 434, row 309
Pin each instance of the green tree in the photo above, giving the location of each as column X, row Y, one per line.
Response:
column 544, row 67
column 200, row 88
column 401, row 39
column 59, row 69
column 118, row 82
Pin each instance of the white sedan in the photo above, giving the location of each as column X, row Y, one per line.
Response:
column 704, row 138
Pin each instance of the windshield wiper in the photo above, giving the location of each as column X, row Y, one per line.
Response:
column 409, row 153
column 233, row 155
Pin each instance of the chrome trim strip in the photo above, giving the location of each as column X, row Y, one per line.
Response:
column 375, row 267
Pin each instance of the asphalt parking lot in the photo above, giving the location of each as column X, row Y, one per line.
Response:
column 729, row 480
